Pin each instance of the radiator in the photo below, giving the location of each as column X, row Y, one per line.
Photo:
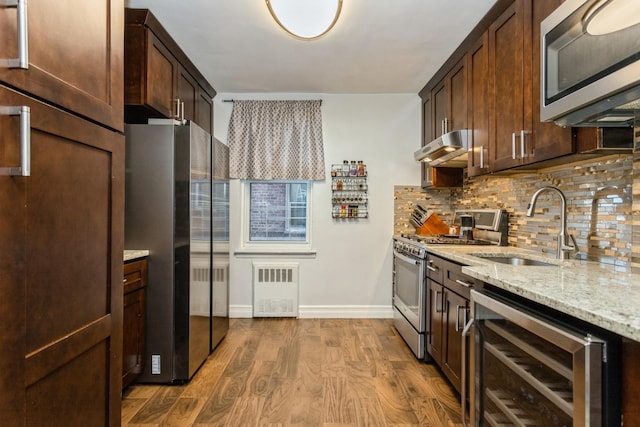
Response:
column 275, row 289
column 199, row 298
column 199, row 293
column 220, row 289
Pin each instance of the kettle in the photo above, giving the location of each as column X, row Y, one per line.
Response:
column 467, row 222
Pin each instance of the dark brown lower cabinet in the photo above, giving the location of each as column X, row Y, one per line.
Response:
column 133, row 329
column 444, row 341
column 61, row 262
column 448, row 311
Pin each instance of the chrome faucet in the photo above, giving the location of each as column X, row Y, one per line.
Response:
column 564, row 246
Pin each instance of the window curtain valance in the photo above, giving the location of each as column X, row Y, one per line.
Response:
column 271, row 140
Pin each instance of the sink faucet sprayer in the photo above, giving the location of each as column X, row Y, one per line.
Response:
column 564, row 246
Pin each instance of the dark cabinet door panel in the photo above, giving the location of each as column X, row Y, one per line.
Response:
column 81, row 401
column 478, row 111
column 452, row 357
column 81, row 68
column 506, row 56
column 74, row 179
column 12, row 268
column 457, row 118
column 187, row 94
column 133, row 340
column 548, row 140
column 435, row 328
column 67, row 278
column 204, row 112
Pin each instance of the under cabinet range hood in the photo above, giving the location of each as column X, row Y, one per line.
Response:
column 448, row 150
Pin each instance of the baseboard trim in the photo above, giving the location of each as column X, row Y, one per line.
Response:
column 325, row 311
column 240, row 311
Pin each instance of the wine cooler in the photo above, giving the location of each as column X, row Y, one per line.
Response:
column 531, row 368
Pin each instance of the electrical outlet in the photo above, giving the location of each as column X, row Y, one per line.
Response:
column 155, row 364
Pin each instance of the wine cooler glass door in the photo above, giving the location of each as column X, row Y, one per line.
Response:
column 531, row 372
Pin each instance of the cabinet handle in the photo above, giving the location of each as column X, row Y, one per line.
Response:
column 446, row 125
column 22, row 61
column 482, row 157
column 25, row 141
column 463, row 283
column 458, row 307
column 522, row 143
column 182, row 111
column 514, row 156
column 437, row 307
column 176, row 114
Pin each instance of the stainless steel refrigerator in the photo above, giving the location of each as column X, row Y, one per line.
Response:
column 168, row 210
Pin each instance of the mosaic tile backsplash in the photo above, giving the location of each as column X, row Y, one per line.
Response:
column 603, row 207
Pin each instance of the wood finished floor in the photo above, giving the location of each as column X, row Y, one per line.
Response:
column 304, row 373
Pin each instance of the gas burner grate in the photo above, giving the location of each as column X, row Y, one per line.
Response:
column 444, row 240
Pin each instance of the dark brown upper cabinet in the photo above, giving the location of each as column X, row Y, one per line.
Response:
column 160, row 80
column 490, row 85
column 516, row 135
column 449, row 101
column 75, row 56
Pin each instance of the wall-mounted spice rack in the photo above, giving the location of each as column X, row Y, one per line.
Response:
column 349, row 190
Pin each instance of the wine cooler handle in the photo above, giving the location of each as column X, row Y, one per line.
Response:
column 463, row 387
column 25, row 141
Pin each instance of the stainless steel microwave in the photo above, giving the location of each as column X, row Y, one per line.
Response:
column 590, row 56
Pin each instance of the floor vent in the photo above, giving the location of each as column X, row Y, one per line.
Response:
column 275, row 290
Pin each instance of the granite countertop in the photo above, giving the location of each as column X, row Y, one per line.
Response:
column 133, row 254
column 601, row 294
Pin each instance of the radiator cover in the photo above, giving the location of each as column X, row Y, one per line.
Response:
column 275, row 289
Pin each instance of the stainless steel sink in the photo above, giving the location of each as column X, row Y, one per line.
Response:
column 514, row 260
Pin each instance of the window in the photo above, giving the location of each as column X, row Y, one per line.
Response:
column 278, row 212
column 220, row 211
column 201, row 210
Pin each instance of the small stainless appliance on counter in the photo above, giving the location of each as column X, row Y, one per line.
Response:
column 410, row 270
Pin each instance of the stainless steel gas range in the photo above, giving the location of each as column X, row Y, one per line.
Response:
column 410, row 270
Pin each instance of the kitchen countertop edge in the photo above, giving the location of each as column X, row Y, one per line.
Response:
column 134, row 254
column 601, row 294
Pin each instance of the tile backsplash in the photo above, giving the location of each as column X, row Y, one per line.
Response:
column 603, row 204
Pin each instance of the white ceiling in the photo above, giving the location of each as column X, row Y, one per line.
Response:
column 377, row 46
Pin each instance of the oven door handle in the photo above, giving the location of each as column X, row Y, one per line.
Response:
column 465, row 333
column 406, row 258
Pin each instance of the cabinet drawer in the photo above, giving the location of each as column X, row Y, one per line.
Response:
column 135, row 276
column 435, row 268
column 458, row 282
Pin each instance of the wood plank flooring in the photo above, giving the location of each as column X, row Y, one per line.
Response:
column 283, row 372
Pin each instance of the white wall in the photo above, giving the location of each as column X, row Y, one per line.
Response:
column 351, row 274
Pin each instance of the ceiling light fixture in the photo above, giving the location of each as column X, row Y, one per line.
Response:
column 305, row 19
column 608, row 16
